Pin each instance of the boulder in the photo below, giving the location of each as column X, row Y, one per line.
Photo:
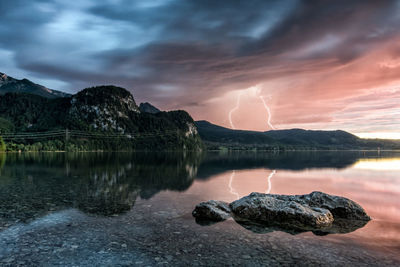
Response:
column 264, row 208
column 318, row 212
column 340, row 207
column 212, row 211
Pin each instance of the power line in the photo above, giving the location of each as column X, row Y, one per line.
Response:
column 82, row 134
column 32, row 133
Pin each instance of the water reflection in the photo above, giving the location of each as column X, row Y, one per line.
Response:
column 2, row 160
column 34, row 184
column 216, row 163
column 338, row 227
column 376, row 189
column 236, row 194
column 378, row 164
column 161, row 191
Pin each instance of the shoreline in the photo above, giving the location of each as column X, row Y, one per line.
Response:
column 206, row 150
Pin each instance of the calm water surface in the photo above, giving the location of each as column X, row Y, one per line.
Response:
column 123, row 209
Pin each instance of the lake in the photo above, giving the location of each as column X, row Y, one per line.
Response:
column 123, row 209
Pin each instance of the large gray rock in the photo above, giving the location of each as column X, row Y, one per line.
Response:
column 317, row 212
column 340, row 207
column 212, row 211
column 264, row 208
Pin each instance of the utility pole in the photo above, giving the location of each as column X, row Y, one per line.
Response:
column 66, row 139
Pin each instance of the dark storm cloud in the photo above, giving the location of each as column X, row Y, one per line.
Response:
column 188, row 50
column 209, row 46
column 355, row 25
column 195, row 20
column 19, row 20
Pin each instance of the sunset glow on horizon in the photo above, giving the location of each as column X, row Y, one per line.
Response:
column 379, row 135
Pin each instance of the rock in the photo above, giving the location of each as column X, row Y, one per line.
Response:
column 268, row 209
column 212, row 211
column 340, row 207
column 261, row 213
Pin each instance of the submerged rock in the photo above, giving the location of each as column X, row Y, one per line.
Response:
column 318, row 212
column 341, row 226
column 212, row 211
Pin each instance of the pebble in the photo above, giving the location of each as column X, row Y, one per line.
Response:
column 169, row 257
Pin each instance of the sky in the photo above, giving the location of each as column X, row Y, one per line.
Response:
column 257, row 65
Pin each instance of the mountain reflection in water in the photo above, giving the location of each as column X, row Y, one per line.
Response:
column 35, row 184
column 32, row 184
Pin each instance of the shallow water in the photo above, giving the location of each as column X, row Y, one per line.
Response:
column 122, row 209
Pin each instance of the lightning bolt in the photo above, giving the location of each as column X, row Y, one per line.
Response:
column 269, row 181
column 268, row 111
column 234, row 109
column 254, row 92
column 232, row 191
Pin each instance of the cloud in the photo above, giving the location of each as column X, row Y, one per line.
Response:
column 310, row 56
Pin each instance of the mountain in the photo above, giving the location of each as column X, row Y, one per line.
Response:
column 148, row 108
column 10, row 85
column 104, row 108
column 317, row 138
column 217, row 134
column 97, row 118
column 217, row 137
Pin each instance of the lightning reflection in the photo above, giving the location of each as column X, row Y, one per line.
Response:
column 232, row 191
column 269, row 181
